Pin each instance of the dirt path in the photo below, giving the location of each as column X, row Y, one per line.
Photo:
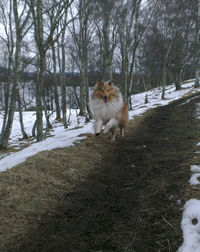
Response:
column 129, row 201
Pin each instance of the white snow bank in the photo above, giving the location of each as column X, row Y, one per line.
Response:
column 194, row 179
column 190, row 225
column 62, row 138
column 154, row 98
column 195, row 168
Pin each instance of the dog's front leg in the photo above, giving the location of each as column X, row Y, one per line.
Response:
column 98, row 126
column 112, row 123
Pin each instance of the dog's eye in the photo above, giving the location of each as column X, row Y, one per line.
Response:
column 110, row 89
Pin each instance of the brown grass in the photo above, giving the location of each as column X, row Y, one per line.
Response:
column 30, row 189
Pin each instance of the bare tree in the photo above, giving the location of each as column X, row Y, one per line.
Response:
column 197, row 43
column 21, row 28
column 106, row 25
column 55, row 83
column 6, row 21
column 44, row 39
column 131, row 29
column 82, row 31
column 62, row 67
column 25, row 136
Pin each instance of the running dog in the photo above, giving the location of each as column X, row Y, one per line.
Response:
column 108, row 108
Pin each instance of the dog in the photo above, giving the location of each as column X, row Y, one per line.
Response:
column 108, row 109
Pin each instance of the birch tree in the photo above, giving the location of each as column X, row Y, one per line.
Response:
column 44, row 39
column 197, row 43
column 6, row 20
column 82, row 31
column 106, row 25
column 21, row 28
column 131, row 30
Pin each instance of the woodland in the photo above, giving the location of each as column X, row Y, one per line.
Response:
column 54, row 51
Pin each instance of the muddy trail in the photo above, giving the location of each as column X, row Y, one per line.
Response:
column 131, row 199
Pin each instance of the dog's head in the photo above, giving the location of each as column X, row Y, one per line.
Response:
column 105, row 91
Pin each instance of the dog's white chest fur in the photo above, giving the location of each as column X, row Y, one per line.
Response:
column 106, row 111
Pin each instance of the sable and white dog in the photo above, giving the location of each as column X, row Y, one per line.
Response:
column 108, row 108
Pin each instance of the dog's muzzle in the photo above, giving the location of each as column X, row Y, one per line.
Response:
column 105, row 98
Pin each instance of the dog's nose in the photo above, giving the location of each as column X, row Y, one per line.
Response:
column 105, row 98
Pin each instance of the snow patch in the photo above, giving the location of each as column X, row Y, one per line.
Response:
column 62, row 138
column 195, row 168
column 190, row 226
column 194, row 179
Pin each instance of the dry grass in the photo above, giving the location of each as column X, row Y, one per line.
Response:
column 33, row 187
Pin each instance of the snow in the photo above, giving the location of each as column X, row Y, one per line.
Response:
column 60, row 138
column 195, row 168
column 194, row 179
column 190, row 225
column 154, row 98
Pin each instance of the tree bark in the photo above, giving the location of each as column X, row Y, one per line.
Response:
column 24, row 135
column 19, row 36
column 56, row 96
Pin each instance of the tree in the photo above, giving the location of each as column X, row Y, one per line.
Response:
column 106, row 25
column 197, row 43
column 21, row 29
column 8, row 40
column 131, row 29
column 82, row 32
column 44, row 40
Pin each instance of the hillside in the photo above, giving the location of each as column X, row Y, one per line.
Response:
column 98, row 196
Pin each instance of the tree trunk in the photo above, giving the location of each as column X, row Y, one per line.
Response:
column 178, row 81
column 164, row 76
column 8, row 127
column 55, row 85
column 197, row 56
column 82, row 93
column 39, row 107
column 63, row 85
column 25, row 136
column 164, row 81
column 7, row 94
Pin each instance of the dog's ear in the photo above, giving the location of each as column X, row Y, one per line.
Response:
column 100, row 83
column 110, row 82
